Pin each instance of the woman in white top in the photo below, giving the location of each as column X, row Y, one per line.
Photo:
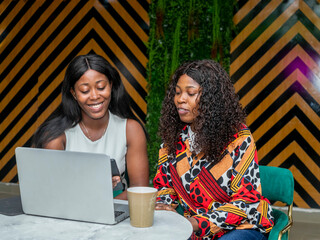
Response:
column 95, row 116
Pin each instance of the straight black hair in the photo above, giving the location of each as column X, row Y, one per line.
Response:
column 68, row 113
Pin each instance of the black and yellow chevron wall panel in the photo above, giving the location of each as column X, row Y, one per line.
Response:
column 38, row 38
column 275, row 65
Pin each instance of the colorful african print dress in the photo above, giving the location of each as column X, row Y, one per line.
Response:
column 221, row 197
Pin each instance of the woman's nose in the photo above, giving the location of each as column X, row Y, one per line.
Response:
column 94, row 94
column 182, row 98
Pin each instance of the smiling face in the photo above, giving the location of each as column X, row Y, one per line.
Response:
column 187, row 98
column 93, row 94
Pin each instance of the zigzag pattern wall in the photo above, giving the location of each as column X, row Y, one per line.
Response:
column 37, row 41
column 275, row 67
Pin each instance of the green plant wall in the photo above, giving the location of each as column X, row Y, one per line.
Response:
column 182, row 30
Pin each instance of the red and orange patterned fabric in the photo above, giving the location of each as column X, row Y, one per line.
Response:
column 221, row 197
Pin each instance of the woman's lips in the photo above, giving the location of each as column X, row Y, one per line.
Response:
column 95, row 107
column 182, row 111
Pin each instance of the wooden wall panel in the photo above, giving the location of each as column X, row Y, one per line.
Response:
column 275, row 66
column 37, row 41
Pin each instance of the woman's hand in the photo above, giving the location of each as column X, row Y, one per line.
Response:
column 162, row 206
column 115, row 181
column 194, row 223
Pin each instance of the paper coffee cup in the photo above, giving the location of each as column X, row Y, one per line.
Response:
column 141, row 205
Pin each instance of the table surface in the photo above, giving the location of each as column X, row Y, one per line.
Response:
column 167, row 225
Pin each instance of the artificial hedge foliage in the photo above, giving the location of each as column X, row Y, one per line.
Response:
column 182, row 30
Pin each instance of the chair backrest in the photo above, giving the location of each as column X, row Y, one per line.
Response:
column 277, row 184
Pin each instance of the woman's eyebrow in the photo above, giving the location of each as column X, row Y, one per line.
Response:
column 99, row 81
column 191, row 87
column 102, row 80
column 186, row 86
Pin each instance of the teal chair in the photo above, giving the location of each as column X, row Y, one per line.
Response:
column 278, row 185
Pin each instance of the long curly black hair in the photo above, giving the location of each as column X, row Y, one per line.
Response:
column 220, row 112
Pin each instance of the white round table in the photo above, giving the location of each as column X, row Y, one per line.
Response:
column 167, row 225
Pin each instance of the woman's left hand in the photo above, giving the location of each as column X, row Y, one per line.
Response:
column 194, row 223
column 162, row 206
column 115, row 181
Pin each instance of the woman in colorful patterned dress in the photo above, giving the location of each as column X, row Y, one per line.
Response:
column 208, row 162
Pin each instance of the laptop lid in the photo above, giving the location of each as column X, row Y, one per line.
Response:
column 66, row 184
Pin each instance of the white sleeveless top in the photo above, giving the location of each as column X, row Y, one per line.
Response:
column 112, row 143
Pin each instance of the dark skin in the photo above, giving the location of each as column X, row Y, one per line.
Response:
column 161, row 206
column 92, row 92
column 186, row 100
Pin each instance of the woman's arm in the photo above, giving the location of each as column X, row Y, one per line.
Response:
column 136, row 157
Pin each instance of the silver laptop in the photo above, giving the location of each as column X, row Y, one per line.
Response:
column 68, row 185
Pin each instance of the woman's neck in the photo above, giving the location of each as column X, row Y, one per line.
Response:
column 95, row 124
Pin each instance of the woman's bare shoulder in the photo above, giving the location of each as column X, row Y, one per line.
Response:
column 133, row 124
column 135, row 131
column 58, row 143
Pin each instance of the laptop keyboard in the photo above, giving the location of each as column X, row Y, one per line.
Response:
column 118, row 213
